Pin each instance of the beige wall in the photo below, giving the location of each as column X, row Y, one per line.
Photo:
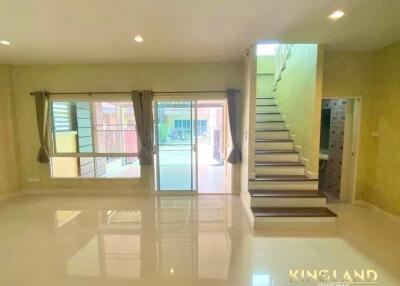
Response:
column 8, row 173
column 373, row 76
column 299, row 95
column 107, row 77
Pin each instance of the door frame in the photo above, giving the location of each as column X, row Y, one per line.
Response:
column 355, row 146
column 194, row 98
column 194, row 166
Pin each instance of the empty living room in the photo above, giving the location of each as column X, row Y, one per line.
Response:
column 235, row 143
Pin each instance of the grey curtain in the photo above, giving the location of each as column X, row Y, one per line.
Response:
column 236, row 155
column 142, row 104
column 42, row 120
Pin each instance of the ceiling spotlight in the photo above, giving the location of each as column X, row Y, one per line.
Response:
column 336, row 14
column 4, row 42
column 138, row 39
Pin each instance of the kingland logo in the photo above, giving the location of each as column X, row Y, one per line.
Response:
column 333, row 277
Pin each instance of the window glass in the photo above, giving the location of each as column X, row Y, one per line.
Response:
column 95, row 129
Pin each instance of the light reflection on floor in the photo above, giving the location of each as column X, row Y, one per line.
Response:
column 196, row 240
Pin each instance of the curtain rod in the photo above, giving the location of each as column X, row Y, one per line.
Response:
column 130, row 92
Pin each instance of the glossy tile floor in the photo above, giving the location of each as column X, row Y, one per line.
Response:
column 190, row 240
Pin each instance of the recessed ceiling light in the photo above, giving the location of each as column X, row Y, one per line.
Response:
column 336, row 14
column 138, row 39
column 4, row 42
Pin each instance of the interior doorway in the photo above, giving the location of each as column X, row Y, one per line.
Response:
column 190, row 144
column 339, row 137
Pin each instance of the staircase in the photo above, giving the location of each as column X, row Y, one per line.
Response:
column 280, row 190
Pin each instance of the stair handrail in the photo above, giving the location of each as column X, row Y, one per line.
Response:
column 281, row 55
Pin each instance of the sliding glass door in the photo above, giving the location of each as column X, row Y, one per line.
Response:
column 175, row 134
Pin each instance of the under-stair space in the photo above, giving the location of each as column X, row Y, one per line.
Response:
column 280, row 191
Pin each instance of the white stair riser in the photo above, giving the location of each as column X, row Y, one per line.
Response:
column 272, row 135
column 283, row 185
column 280, row 170
column 262, row 222
column 267, row 109
column 260, row 101
column 268, row 117
column 270, row 125
column 274, row 145
column 280, row 157
column 288, row 202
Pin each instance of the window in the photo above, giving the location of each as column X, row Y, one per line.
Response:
column 93, row 140
column 202, row 127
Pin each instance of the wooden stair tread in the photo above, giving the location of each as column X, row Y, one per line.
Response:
column 293, row 212
column 277, row 163
column 286, row 194
column 271, row 130
column 270, row 121
column 274, row 140
column 266, row 178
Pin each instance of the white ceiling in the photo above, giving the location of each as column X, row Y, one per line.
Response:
column 84, row 31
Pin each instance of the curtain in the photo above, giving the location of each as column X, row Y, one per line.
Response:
column 142, row 104
column 236, row 155
column 42, row 120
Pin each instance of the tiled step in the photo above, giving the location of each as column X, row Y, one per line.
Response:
column 268, row 100
column 283, row 182
column 279, row 124
column 276, row 156
column 274, row 144
column 268, row 116
column 295, row 214
column 279, row 168
column 271, row 134
column 266, row 108
column 286, row 198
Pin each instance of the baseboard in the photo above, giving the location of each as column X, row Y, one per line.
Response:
column 247, row 207
column 312, row 175
column 8, row 196
column 304, row 161
column 377, row 209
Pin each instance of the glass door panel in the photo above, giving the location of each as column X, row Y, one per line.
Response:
column 175, row 145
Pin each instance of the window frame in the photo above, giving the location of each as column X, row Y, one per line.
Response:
column 52, row 146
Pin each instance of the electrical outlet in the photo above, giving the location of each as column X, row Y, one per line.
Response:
column 33, row 180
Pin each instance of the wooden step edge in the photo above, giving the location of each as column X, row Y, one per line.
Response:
column 266, row 105
column 282, row 178
column 265, row 97
column 292, row 212
column 273, row 140
column 271, row 130
column 274, row 113
column 266, row 194
column 271, row 121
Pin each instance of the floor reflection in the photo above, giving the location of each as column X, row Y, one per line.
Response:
column 191, row 234
column 183, row 240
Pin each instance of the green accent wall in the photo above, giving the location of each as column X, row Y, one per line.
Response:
column 299, row 95
column 375, row 77
column 265, row 76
